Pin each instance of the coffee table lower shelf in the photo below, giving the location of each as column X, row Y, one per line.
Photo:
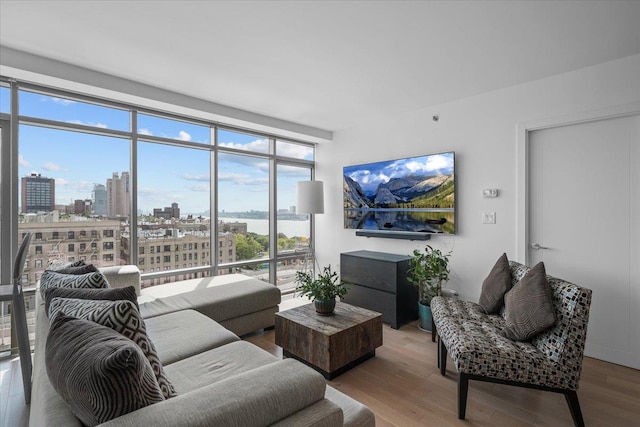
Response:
column 330, row 344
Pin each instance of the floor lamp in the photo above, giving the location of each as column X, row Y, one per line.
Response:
column 310, row 201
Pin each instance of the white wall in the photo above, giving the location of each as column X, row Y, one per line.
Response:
column 482, row 132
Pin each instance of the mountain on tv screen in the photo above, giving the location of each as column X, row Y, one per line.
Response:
column 415, row 194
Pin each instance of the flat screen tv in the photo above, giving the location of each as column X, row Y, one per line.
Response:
column 415, row 195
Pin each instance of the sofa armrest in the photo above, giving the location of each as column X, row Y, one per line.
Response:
column 259, row 397
column 120, row 276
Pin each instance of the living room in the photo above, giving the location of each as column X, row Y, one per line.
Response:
column 416, row 78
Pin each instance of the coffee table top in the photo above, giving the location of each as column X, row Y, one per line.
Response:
column 345, row 316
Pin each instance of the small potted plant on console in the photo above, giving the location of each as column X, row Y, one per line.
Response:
column 428, row 270
column 323, row 290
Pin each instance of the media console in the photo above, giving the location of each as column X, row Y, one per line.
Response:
column 379, row 282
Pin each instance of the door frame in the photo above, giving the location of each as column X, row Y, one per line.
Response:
column 522, row 162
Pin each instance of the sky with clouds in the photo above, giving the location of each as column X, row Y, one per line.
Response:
column 370, row 175
column 166, row 173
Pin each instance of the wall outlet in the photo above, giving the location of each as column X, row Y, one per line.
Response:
column 488, row 217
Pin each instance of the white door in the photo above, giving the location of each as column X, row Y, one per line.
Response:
column 584, row 199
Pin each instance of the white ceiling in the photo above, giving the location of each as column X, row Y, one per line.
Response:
column 325, row 64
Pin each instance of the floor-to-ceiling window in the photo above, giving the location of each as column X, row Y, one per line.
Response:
column 181, row 197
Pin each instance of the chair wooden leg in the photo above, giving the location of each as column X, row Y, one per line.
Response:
column 574, row 407
column 442, row 352
column 433, row 330
column 463, row 388
column 438, row 353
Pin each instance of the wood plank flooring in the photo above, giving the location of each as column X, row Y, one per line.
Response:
column 404, row 388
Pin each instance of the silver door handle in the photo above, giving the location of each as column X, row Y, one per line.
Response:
column 537, row 247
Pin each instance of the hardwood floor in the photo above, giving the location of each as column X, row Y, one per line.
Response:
column 404, row 388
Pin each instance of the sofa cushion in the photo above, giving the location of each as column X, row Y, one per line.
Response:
column 124, row 318
column 220, row 297
column 216, row 365
column 497, row 283
column 529, row 306
column 110, row 294
column 52, row 279
column 184, row 333
column 98, row 372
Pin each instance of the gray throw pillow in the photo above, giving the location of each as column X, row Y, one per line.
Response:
column 98, row 372
column 497, row 283
column 52, row 279
column 127, row 293
column 56, row 264
column 529, row 306
column 81, row 269
column 124, row 318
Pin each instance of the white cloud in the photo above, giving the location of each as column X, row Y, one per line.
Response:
column 184, row 136
column 52, row 167
column 61, row 182
column 200, row 188
column 242, row 179
column 294, row 150
column 439, row 162
column 60, row 101
column 22, row 161
column 191, row 177
column 144, row 131
column 293, row 171
column 80, row 122
column 258, row 145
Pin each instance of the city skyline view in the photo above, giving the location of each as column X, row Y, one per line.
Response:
column 166, row 173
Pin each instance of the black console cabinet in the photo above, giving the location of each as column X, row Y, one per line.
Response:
column 379, row 283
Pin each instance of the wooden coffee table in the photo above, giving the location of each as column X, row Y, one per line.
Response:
column 329, row 344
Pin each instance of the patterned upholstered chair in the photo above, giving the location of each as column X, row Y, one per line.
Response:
column 552, row 361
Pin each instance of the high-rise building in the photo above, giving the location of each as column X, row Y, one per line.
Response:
column 118, row 196
column 38, row 194
column 99, row 200
column 167, row 212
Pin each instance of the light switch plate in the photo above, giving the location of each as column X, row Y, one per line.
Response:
column 488, row 217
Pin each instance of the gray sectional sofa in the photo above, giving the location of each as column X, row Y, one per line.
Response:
column 220, row 379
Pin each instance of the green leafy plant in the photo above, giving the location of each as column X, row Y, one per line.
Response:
column 325, row 286
column 427, row 271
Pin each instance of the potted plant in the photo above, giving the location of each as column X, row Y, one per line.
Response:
column 323, row 290
column 427, row 272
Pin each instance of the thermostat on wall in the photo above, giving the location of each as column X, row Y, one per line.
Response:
column 490, row 192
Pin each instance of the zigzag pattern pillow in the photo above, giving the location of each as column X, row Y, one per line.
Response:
column 98, row 372
column 56, row 264
column 52, row 279
column 127, row 293
column 124, row 318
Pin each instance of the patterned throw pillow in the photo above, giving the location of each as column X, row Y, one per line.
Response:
column 53, row 279
column 98, row 372
column 81, row 269
column 110, row 294
column 497, row 283
column 56, row 264
column 124, row 318
column 529, row 306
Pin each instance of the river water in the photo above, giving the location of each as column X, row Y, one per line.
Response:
column 261, row 226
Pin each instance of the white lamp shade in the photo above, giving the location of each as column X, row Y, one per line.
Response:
column 310, row 197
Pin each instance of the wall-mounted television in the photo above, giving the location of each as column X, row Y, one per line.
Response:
column 407, row 196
